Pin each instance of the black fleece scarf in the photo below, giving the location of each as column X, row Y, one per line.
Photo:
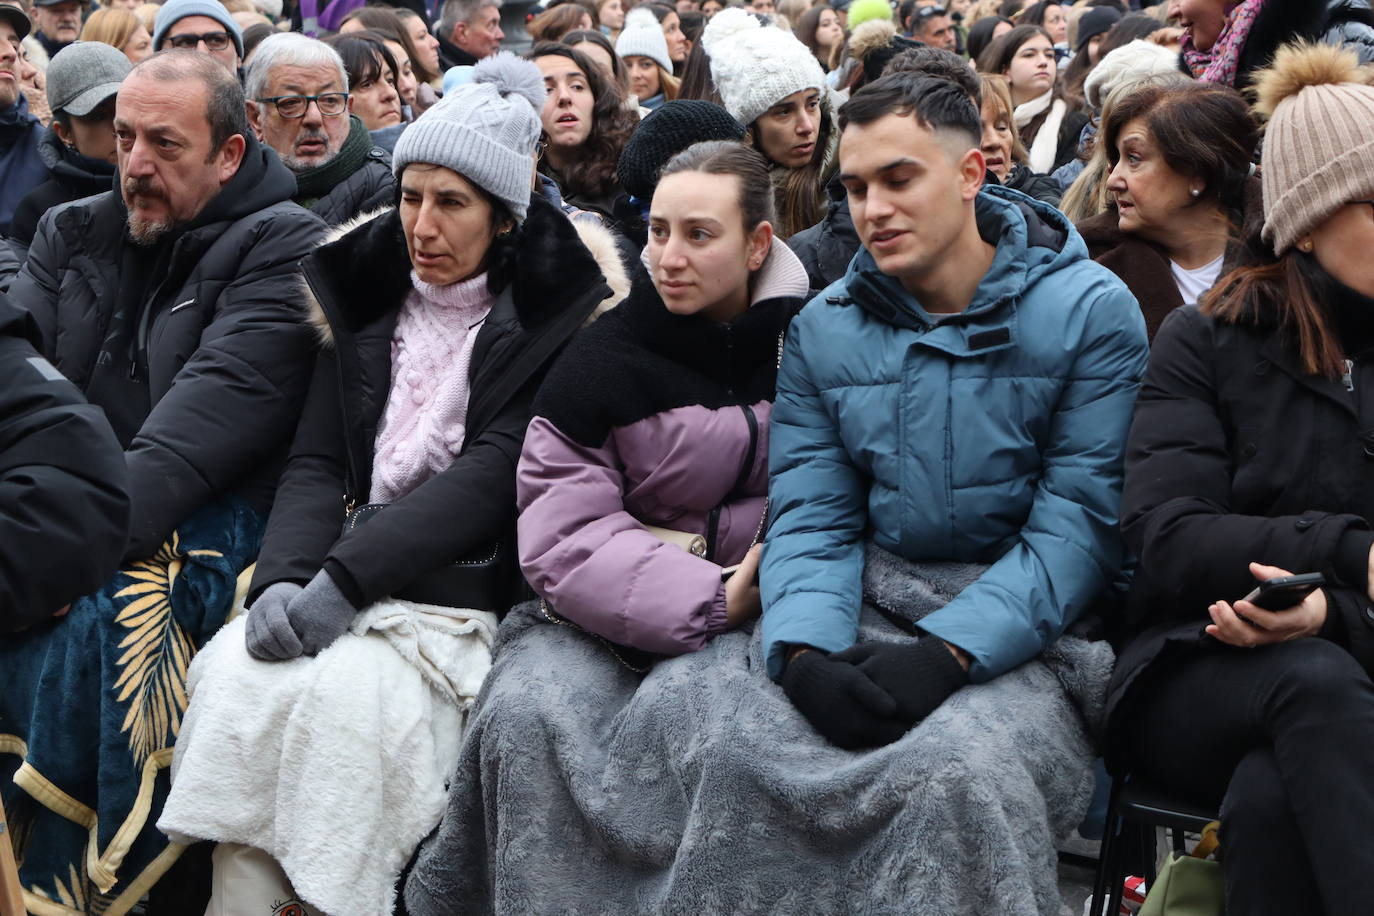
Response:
column 639, row 360
column 312, row 184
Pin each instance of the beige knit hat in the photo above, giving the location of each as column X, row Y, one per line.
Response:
column 1320, row 139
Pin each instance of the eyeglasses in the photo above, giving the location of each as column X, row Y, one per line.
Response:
column 294, row 106
column 215, row 41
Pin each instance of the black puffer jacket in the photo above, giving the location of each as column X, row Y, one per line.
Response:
column 64, row 509
column 222, row 323
column 1347, row 22
column 1236, row 455
column 72, row 176
column 370, row 188
column 357, row 283
column 826, row 248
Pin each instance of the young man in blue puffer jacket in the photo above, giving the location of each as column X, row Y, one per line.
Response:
column 963, row 393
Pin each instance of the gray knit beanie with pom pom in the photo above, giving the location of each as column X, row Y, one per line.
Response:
column 484, row 130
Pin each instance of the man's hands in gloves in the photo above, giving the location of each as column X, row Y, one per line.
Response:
column 919, row 675
column 840, row 701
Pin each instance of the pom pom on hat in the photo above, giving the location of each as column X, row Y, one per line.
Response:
column 753, row 67
column 1319, row 141
column 861, row 11
column 485, row 130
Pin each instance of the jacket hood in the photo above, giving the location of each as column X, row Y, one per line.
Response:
column 1033, row 240
column 560, row 256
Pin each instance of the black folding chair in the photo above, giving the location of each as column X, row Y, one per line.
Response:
column 1136, row 809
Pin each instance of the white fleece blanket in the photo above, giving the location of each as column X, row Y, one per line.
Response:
column 335, row 765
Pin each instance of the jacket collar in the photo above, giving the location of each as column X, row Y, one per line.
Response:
column 1032, row 239
column 363, row 269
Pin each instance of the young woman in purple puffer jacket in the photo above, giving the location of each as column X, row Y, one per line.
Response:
column 657, row 415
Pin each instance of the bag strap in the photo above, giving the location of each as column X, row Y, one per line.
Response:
column 1209, row 843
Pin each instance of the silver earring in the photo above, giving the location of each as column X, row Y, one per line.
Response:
column 1195, row 192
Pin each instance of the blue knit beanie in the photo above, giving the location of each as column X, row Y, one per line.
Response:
column 174, row 10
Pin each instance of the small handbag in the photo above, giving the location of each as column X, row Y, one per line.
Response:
column 481, row 580
column 1189, row 885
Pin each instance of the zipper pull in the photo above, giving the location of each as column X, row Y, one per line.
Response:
column 1348, row 379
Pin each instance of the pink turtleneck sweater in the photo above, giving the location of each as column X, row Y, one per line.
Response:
column 425, row 421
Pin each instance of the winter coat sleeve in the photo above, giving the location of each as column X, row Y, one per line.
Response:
column 1069, row 549
column 34, row 287
column 595, row 563
column 308, row 512
column 1176, row 509
column 813, row 557
column 63, row 505
column 469, row 504
column 236, row 401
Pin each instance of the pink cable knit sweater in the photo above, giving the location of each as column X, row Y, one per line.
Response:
column 425, row 420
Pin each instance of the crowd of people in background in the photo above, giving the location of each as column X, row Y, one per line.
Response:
column 696, row 456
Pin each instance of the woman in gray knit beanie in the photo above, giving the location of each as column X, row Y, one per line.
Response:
column 1249, row 459
column 438, row 320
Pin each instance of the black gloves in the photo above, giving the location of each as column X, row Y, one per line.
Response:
column 918, row 675
column 840, row 701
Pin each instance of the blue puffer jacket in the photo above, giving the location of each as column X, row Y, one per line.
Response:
column 992, row 436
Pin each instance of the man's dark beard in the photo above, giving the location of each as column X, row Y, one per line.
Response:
column 143, row 231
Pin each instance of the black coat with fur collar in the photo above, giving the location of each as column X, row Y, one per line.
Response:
column 357, row 281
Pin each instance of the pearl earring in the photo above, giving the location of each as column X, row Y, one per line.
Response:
column 1195, row 192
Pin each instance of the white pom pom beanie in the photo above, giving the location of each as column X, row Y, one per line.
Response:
column 754, row 67
column 643, row 37
column 484, row 130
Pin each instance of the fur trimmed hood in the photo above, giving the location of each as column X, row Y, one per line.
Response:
column 556, row 256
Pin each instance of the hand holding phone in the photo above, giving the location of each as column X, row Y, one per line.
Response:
column 1284, row 592
column 1298, row 610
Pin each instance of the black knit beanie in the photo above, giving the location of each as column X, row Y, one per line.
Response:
column 1096, row 21
column 669, row 130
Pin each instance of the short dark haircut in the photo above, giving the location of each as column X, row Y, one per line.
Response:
column 939, row 64
column 1202, row 130
column 225, row 108
column 936, row 104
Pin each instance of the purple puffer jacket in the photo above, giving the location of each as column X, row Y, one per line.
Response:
column 684, row 447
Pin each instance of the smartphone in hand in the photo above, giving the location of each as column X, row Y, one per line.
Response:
column 1285, row 592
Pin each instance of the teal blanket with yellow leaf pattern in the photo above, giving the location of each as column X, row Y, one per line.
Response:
column 90, row 707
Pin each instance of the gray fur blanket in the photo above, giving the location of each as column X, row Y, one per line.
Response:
column 586, row 788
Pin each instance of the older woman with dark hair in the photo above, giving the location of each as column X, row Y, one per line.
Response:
column 586, row 125
column 388, row 555
column 1248, row 460
column 1179, row 183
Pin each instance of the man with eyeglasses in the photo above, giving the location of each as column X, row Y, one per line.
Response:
column 299, row 105
column 172, row 303
column 199, row 25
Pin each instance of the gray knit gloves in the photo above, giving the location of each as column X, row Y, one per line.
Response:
column 287, row 621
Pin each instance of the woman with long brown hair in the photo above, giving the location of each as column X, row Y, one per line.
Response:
column 586, row 125
column 788, row 114
column 1248, row 460
column 1049, row 127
